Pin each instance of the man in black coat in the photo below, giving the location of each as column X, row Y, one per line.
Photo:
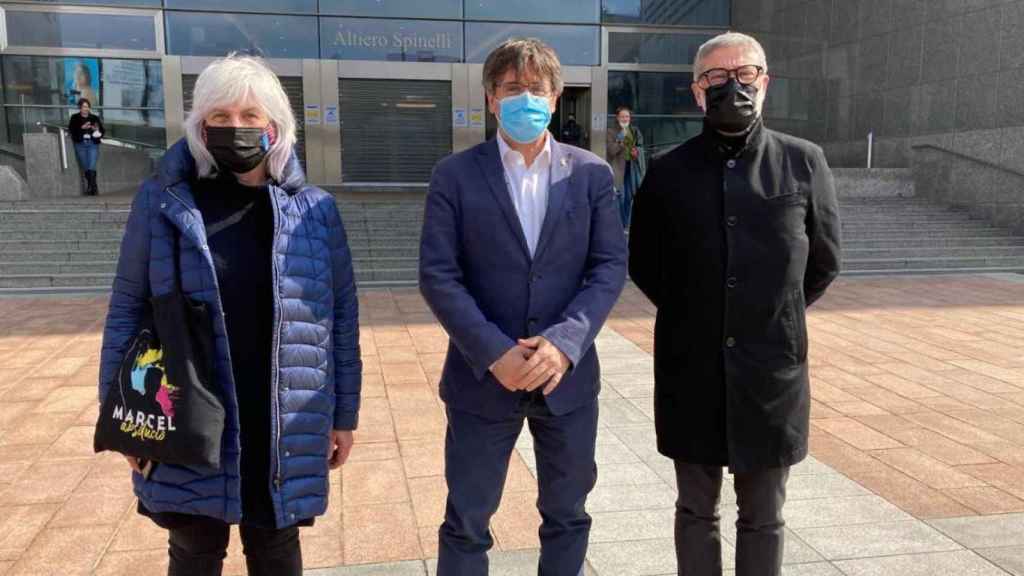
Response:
column 734, row 234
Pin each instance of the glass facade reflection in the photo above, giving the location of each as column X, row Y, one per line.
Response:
column 666, row 12
column 70, row 30
column 214, row 34
column 575, row 45
column 663, row 105
column 439, row 9
column 567, row 11
column 297, row 6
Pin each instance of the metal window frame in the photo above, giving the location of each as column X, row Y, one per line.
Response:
column 155, row 13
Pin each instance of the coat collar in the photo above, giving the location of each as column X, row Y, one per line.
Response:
column 562, row 160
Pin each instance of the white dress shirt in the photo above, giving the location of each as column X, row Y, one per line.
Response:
column 528, row 187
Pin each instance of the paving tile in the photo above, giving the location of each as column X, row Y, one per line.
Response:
column 516, row 522
column 133, row 563
column 842, row 511
column 429, row 494
column 616, row 499
column 638, row 558
column 63, row 551
column 871, row 540
column 632, row 525
column 380, row 482
column 1010, row 559
column 380, row 533
column 932, row 472
column 961, row 563
column 20, row 525
column 984, row 531
column 46, row 481
column 856, row 434
column 986, row 500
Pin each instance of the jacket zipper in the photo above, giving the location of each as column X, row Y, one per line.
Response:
column 275, row 348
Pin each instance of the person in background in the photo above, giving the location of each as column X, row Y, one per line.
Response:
column 267, row 254
column 737, row 233
column 86, row 131
column 626, row 155
column 572, row 132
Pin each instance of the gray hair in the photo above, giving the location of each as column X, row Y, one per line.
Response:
column 730, row 40
column 521, row 54
column 232, row 80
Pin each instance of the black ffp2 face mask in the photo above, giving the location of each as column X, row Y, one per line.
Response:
column 731, row 107
column 239, row 150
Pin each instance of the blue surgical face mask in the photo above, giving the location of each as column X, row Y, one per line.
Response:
column 524, row 117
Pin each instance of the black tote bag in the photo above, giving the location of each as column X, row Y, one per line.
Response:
column 163, row 405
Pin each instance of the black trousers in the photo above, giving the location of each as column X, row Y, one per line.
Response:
column 760, row 533
column 198, row 548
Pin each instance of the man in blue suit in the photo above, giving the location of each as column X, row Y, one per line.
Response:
column 522, row 259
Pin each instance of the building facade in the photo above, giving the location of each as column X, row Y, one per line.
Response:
column 381, row 89
column 946, row 73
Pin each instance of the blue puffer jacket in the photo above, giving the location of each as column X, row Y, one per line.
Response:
column 317, row 367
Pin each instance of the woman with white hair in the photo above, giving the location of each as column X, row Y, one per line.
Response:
column 230, row 220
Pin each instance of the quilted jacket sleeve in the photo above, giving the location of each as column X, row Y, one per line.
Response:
column 130, row 292
column 348, row 365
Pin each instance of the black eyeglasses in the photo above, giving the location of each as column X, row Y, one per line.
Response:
column 515, row 88
column 745, row 75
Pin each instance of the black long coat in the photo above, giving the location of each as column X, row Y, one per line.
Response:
column 731, row 250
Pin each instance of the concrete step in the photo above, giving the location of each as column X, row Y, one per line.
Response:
column 51, row 268
column 100, row 233
column 1008, row 263
column 974, row 228
column 894, row 252
column 931, row 242
column 58, row 257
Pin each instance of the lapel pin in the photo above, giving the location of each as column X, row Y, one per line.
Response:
column 565, row 162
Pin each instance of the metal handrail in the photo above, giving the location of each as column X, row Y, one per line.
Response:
column 131, row 143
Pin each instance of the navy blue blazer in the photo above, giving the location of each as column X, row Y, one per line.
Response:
column 477, row 275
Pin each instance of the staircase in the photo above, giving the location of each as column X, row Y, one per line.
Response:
column 888, row 230
column 72, row 245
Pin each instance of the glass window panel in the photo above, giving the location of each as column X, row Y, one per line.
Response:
column 652, row 93
column 442, row 9
column 579, row 11
column 575, row 45
column 670, row 12
column 392, row 40
column 61, row 81
column 209, row 34
column 69, row 30
column 301, row 6
column 630, row 48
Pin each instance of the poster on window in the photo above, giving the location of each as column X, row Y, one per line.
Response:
column 81, row 80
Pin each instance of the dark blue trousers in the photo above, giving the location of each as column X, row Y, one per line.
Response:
column 477, row 452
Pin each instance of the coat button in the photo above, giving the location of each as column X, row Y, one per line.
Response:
column 730, row 342
column 732, row 282
column 287, row 454
column 731, row 221
column 731, row 163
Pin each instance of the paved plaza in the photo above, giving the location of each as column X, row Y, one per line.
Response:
column 917, row 443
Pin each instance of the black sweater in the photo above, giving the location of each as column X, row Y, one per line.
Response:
column 79, row 126
column 240, row 232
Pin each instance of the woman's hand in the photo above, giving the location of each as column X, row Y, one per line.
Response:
column 341, row 447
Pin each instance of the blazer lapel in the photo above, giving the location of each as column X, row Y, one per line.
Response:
column 561, row 180
column 494, row 172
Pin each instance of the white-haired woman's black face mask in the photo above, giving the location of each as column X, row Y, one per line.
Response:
column 238, row 149
column 732, row 107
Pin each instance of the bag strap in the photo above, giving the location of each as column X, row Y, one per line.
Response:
column 176, row 255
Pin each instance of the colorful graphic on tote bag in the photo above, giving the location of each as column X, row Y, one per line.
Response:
column 155, row 398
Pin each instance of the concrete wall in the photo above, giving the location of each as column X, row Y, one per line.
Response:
column 943, row 72
column 120, row 170
column 992, row 192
